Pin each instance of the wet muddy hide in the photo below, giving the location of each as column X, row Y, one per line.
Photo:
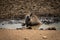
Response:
column 32, row 20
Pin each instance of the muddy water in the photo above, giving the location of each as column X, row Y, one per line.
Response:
column 45, row 26
column 13, row 24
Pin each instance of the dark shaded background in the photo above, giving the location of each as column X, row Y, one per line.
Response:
column 19, row 8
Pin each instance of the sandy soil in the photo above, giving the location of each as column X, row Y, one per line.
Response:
column 29, row 35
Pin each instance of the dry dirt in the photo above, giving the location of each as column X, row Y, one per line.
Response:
column 29, row 34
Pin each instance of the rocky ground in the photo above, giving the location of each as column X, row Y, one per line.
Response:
column 10, row 9
column 29, row 35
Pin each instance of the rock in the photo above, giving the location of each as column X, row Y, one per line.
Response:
column 51, row 28
column 25, row 38
column 44, row 37
column 2, row 24
column 41, row 28
column 18, row 28
column 29, row 28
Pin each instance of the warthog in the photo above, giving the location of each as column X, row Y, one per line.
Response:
column 31, row 20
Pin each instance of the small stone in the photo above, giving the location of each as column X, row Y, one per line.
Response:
column 44, row 37
column 25, row 38
column 41, row 28
column 40, row 34
column 2, row 24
